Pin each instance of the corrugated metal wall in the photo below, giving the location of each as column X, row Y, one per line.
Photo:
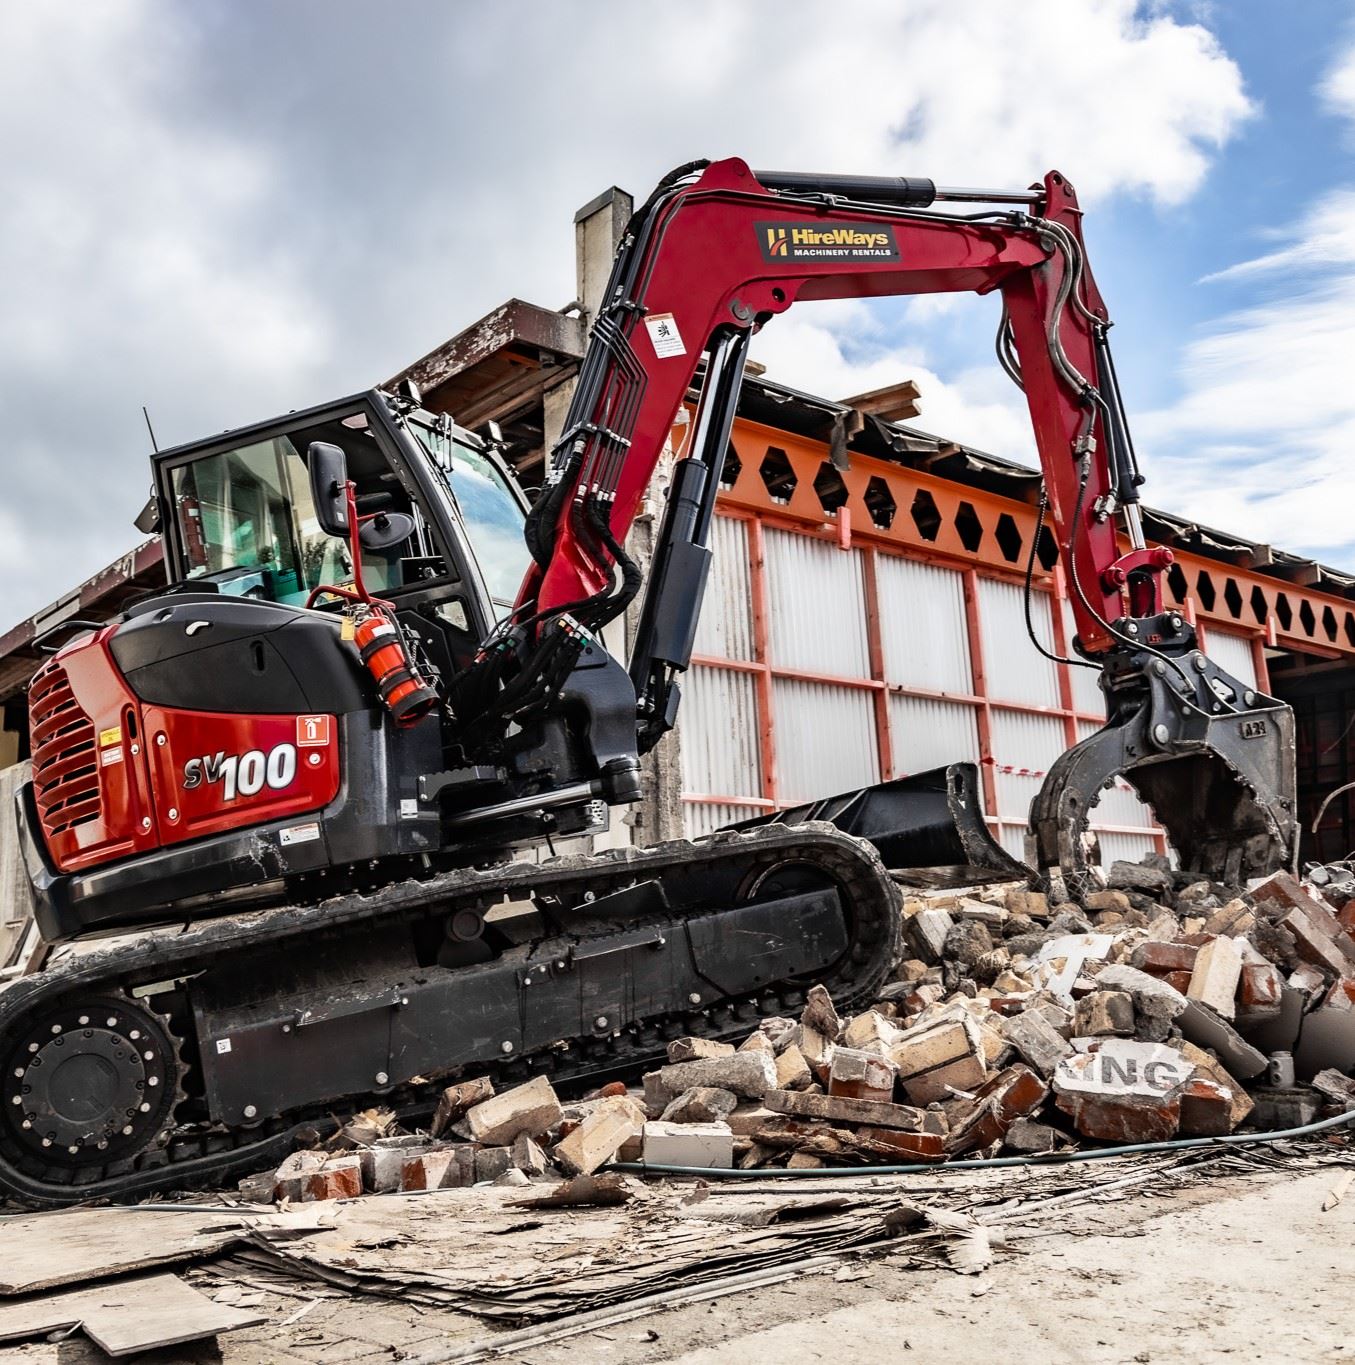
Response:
column 838, row 684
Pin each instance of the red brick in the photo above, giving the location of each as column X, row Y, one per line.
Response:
column 612, row 1088
column 915, row 1146
column 858, row 1075
column 1206, row 1109
column 1178, row 980
column 1260, row 989
column 1161, row 958
column 339, row 1178
column 1123, row 1118
column 1002, row 1099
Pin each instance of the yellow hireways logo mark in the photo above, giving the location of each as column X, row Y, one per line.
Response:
column 826, row 242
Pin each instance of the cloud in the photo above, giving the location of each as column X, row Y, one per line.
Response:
column 1337, row 89
column 225, row 211
column 1260, row 441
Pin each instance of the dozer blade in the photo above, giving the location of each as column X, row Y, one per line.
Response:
column 1213, row 758
column 932, row 820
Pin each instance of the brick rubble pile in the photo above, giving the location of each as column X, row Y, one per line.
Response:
column 1160, row 1007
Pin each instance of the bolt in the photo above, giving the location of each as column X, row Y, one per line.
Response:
column 47, row 1142
column 314, row 760
column 1249, row 697
column 133, row 1034
column 1159, row 667
column 1131, row 628
column 136, row 748
column 18, row 1099
column 152, row 1080
column 27, row 1123
column 145, row 822
column 694, row 999
column 32, row 1047
column 506, row 1046
column 173, row 813
column 600, row 1021
column 250, row 1111
column 1175, row 621
column 149, row 1056
column 381, row 1078
column 1200, row 662
column 126, row 1132
column 560, row 966
column 1161, row 734
column 112, row 1021
column 286, row 1028
column 1217, row 707
column 160, row 740
column 74, row 1148
column 84, row 1019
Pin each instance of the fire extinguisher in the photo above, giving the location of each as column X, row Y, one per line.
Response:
column 382, row 650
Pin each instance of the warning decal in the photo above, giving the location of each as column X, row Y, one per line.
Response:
column 663, row 332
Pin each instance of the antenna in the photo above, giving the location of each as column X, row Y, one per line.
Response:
column 155, row 446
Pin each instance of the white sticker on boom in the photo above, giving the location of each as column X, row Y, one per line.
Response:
column 223, row 1044
column 299, row 834
column 663, row 332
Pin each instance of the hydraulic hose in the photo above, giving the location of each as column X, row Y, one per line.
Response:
column 989, row 1162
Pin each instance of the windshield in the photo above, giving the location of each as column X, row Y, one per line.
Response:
column 246, row 520
column 492, row 514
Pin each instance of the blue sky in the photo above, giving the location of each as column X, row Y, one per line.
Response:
column 225, row 210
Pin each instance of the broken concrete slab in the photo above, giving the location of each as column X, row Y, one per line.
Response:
column 1203, row 1027
column 701, row 1104
column 1106, row 1013
column 1124, row 1091
column 820, row 1015
column 750, row 1074
column 1037, row 1040
column 692, row 1049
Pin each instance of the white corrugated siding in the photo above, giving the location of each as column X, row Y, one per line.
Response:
column 700, row 817
column 927, row 734
column 1087, row 694
column 1021, row 740
column 1014, row 668
column 818, row 610
column 922, row 625
column 1233, row 654
column 725, row 629
column 719, row 745
column 825, row 739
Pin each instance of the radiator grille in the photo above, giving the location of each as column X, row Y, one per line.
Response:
column 65, row 764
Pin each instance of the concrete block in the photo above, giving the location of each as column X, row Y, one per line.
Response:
column 701, row 1104
column 1213, row 982
column 758, row 1042
column 1141, row 877
column 455, row 1100
column 384, row 1160
column 935, row 1060
column 598, row 1137
column 1279, row 1109
column 820, row 1015
column 1104, row 1014
column 492, row 1162
column 860, row 1075
column 532, row 1108
column 1205, row 1029
column 750, row 1074
column 688, row 1144
column 1124, row 1091
column 838, row 1109
column 691, row 1049
column 528, row 1155
column 1334, row 1087
column 792, row 1071
column 1032, row 1138
column 1036, row 1039
column 780, row 1031
column 1326, row 1040
column 1206, row 1109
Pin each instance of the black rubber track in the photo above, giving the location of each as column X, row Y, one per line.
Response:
column 193, row 1159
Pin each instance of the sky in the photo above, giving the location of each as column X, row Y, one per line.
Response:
column 227, row 209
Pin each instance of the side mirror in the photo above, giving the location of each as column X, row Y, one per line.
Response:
column 328, row 469
column 386, row 529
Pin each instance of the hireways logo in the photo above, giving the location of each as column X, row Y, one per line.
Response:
column 826, row 241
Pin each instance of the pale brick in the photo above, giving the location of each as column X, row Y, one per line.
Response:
column 692, row 1049
column 838, row 1109
column 598, row 1137
column 532, row 1108
column 704, row 1145
column 860, row 1075
column 792, row 1071
column 1214, row 979
column 1104, row 1014
column 936, row 1059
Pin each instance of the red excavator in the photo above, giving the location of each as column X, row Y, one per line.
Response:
column 301, row 770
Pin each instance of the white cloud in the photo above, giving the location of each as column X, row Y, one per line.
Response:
column 1338, row 86
column 1261, row 440
column 227, row 211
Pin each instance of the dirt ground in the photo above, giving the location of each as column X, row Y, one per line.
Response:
column 1240, row 1268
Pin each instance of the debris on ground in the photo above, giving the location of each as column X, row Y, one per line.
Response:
column 1161, row 1006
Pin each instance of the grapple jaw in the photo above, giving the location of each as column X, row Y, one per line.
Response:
column 1211, row 756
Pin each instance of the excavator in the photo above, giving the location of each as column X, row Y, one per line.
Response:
column 311, row 791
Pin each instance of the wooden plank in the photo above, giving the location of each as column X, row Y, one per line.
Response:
column 127, row 1316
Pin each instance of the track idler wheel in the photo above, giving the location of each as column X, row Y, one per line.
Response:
column 1213, row 758
column 89, row 1082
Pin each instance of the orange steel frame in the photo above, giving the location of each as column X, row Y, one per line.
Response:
column 961, row 533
